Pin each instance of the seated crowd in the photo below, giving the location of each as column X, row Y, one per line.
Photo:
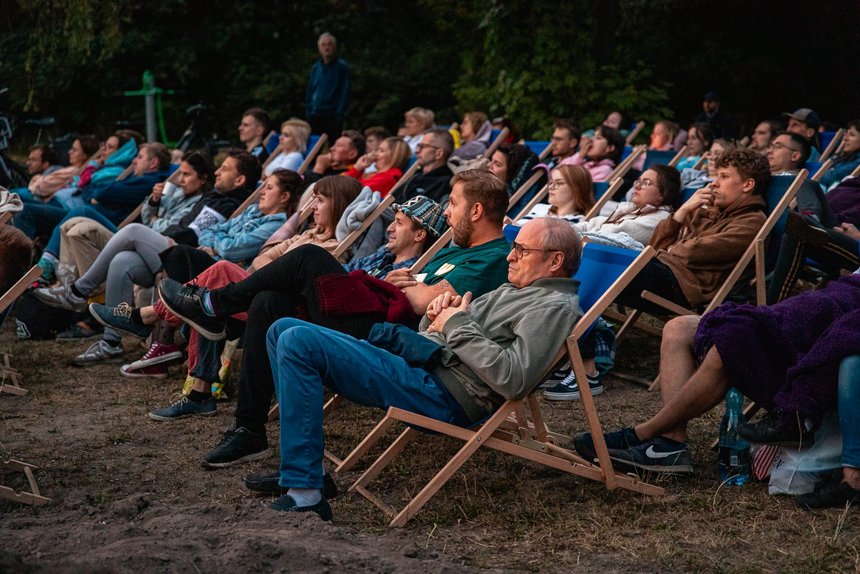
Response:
column 257, row 252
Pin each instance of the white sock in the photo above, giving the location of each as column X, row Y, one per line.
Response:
column 305, row 496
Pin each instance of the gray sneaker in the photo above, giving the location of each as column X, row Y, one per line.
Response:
column 62, row 297
column 99, row 352
column 119, row 318
column 184, row 407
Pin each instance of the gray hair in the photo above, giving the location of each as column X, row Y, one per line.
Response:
column 442, row 138
column 560, row 236
column 327, row 35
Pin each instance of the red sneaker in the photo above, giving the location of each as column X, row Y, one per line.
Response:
column 158, row 353
column 157, row 371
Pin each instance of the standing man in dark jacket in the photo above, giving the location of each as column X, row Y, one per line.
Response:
column 328, row 89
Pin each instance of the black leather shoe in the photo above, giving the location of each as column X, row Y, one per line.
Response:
column 772, row 429
column 287, row 504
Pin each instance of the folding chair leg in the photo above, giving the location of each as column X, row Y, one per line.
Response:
column 33, row 497
column 655, row 386
column 630, row 322
column 449, row 469
column 365, row 445
column 13, row 387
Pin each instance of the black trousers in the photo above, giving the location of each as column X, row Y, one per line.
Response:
column 284, row 288
column 657, row 278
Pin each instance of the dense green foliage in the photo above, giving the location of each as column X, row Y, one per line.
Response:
column 532, row 61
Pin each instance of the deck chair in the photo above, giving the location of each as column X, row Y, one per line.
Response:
column 5, row 217
column 353, row 236
column 656, row 157
column 830, row 141
column 627, row 163
column 678, row 156
column 10, row 378
column 823, row 167
column 497, row 141
column 536, row 146
column 603, row 192
column 637, row 129
column 517, row 427
column 33, row 496
column 780, row 193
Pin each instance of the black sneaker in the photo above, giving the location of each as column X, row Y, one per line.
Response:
column 661, row 455
column 618, row 440
column 186, row 301
column 773, row 429
column 267, row 483
column 119, row 318
column 833, row 495
column 238, row 445
column 287, row 504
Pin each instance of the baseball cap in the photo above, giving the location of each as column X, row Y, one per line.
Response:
column 805, row 115
column 711, row 96
column 425, row 212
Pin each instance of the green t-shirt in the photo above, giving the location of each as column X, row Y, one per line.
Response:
column 477, row 269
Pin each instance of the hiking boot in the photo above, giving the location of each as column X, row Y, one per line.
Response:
column 186, row 302
column 158, row 354
column 618, row 440
column 80, row 331
column 119, row 318
column 568, row 389
column 662, row 455
column 832, row 495
column 61, row 297
column 267, row 483
column 155, row 371
column 556, row 377
column 184, row 407
column 777, row 429
column 286, row 504
column 237, row 445
column 99, row 352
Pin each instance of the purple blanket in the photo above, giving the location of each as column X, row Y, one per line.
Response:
column 844, row 201
column 787, row 355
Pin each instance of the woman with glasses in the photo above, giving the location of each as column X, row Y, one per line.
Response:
column 570, row 195
column 654, row 197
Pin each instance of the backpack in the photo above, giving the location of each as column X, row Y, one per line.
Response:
column 37, row 321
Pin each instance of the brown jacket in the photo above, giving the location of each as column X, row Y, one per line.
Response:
column 703, row 251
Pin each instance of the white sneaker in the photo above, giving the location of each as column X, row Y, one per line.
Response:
column 99, row 352
column 62, row 297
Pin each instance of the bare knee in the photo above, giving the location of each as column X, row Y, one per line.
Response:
column 679, row 332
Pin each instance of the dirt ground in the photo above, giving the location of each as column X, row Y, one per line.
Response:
column 129, row 495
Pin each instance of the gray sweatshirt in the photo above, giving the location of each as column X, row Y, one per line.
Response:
column 503, row 344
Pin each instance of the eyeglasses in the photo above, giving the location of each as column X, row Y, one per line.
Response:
column 555, row 183
column 521, row 250
column 779, row 145
column 421, row 146
column 643, row 182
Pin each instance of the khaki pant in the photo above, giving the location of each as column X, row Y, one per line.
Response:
column 81, row 241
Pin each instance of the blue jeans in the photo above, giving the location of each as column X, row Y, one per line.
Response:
column 53, row 246
column 849, row 410
column 39, row 219
column 305, row 357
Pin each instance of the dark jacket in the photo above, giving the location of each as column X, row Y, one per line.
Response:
column 435, row 184
column 119, row 198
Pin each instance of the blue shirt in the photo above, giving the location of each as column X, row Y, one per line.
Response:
column 328, row 88
column 378, row 264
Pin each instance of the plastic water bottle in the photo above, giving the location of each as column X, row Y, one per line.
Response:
column 734, row 451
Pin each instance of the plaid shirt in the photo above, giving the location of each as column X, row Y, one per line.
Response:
column 378, row 264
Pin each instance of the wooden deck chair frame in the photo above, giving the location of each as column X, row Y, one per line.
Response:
column 508, row 430
column 678, row 156
column 251, row 199
column 856, row 172
column 543, row 192
column 10, row 378
column 622, row 168
column 5, row 217
column 755, row 253
column 832, row 146
column 546, row 151
column 491, row 149
column 353, row 236
column 527, row 185
column 819, row 173
column 636, row 131
column 33, row 496
column 614, row 186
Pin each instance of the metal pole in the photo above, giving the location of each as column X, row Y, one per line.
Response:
column 149, row 99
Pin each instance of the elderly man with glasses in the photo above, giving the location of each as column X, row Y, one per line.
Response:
column 467, row 359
